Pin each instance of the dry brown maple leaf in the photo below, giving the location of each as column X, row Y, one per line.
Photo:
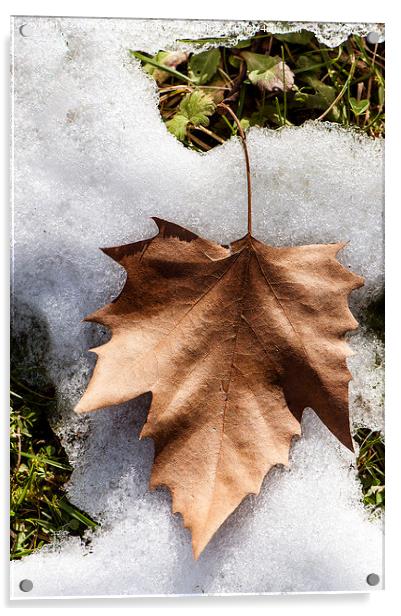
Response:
column 233, row 343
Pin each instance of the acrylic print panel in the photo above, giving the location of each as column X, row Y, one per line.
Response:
column 118, row 120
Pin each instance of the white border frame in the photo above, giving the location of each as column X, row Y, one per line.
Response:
column 376, row 602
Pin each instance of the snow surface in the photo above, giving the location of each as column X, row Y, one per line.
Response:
column 92, row 162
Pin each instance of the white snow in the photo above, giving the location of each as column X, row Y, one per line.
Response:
column 92, row 162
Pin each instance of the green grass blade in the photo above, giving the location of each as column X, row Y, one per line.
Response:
column 162, row 67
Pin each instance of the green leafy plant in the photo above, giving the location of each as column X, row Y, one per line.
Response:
column 272, row 80
column 39, row 508
column 193, row 112
column 268, row 72
column 359, row 107
column 203, row 66
column 371, row 470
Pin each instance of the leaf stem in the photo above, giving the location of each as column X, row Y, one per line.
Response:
column 248, row 168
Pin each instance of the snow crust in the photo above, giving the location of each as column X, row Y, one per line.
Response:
column 92, row 161
column 197, row 35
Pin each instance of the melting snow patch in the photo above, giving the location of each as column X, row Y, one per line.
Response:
column 92, row 162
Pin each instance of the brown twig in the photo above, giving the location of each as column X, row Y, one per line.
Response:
column 198, row 142
column 234, row 92
column 209, row 132
column 172, row 94
column 173, row 88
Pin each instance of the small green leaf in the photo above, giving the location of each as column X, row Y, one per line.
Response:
column 197, row 106
column 380, row 94
column 157, row 59
column 268, row 72
column 178, row 126
column 203, row 66
column 379, row 497
column 308, row 63
column 325, row 94
column 258, row 61
column 194, row 110
column 235, row 61
column 358, row 107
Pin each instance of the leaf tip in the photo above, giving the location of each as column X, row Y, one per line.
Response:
column 350, row 445
column 159, row 222
column 359, row 281
column 81, row 407
column 170, row 229
column 196, row 553
column 346, row 439
column 338, row 246
column 197, row 546
column 111, row 252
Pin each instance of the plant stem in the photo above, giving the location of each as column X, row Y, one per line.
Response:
column 369, row 89
column 198, row 141
column 342, row 91
column 232, row 128
column 209, row 132
column 284, row 88
column 248, row 168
